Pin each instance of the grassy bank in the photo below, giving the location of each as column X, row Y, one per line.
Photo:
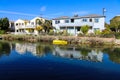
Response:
column 71, row 39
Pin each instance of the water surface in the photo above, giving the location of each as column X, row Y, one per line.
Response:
column 42, row 61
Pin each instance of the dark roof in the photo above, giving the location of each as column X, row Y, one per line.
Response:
column 74, row 17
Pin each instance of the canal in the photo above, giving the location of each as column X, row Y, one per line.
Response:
column 43, row 61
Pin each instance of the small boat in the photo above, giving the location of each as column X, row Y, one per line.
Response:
column 62, row 42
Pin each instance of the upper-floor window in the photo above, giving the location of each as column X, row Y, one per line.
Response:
column 57, row 22
column 84, row 20
column 66, row 21
column 32, row 23
column 19, row 24
column 90, row 19
column 72, row 20
column 96, row 20
column 16, row 24
column 22, row 23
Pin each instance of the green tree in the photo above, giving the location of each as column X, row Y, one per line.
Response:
column 4, row 24
column 47, row 25
column 115, row 23
column 85, row 29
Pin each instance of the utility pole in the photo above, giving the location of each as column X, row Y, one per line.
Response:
column 104, row 10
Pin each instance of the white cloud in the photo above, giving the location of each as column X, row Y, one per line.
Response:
column 17, row 13
column 81, row 12
column 43, row 8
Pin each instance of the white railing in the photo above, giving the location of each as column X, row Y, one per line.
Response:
column 77, row 24
column 28, row 26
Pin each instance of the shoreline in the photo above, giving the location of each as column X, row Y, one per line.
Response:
column 94, row 41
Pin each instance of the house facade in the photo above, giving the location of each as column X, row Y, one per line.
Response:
column 28, row 26
column 73, row 24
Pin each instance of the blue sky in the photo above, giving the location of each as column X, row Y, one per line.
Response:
column 28, row 9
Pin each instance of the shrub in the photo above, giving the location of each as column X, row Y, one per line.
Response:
column 97, row 32
column 80, row 34
column 51, row 32
column 2, row 31
column 107, row 34
column 85, row 29
column 65, row 33
column 117, row 35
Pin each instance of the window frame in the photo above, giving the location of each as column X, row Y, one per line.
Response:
column 96, row 20
column 85, row 20
column 67, row 21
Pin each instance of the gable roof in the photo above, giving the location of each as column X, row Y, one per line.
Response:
column 78, row 17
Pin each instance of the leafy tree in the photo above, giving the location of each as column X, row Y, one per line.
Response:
column 4, row 24
column 38, row 22
column 85, row 29
column 47, row 25
column 115, row 23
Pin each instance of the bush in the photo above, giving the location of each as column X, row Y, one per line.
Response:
column 107, row 34
column 85, row 29
column 51, row 32
column 110, row 35
column 65, row 33
column 2, row 32
column 80, row 34
column 97, row 32
column 117, row 35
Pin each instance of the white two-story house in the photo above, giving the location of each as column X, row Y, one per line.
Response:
column 28, row 26
column 73, row 24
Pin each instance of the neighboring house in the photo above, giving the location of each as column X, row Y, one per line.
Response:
column 73, row 24
column 28, row 27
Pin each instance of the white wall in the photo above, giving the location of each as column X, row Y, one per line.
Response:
column 79, row 22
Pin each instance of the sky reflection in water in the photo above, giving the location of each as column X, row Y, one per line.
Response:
column 20, row 61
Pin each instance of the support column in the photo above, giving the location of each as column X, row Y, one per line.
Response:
column 74, row 31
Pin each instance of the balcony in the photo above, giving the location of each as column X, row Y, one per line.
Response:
column 77, row 24
column 27, row 26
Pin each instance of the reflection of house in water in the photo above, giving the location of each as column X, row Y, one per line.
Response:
column 26, row 47
column 77, row 54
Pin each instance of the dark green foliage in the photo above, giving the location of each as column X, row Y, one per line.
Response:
column 117, row 35
column 115, row 23
column 4, row 24
column 47, row 25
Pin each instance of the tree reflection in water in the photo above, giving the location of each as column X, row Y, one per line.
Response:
column 114, row 54
column 5, row 48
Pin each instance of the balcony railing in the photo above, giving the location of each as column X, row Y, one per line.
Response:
column 77, row 24
column 28, row 26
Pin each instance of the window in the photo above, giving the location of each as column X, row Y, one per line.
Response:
column 90, row 20
column 72, row 20
column 70, row 27
column 95, row 29
column 66, row 21
column 16, row 24
column 19, row 24
column 96, row 20
column 32, row 23
column 62, row 27
column 84, row 20
column 57, row 22
column 22, row 23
